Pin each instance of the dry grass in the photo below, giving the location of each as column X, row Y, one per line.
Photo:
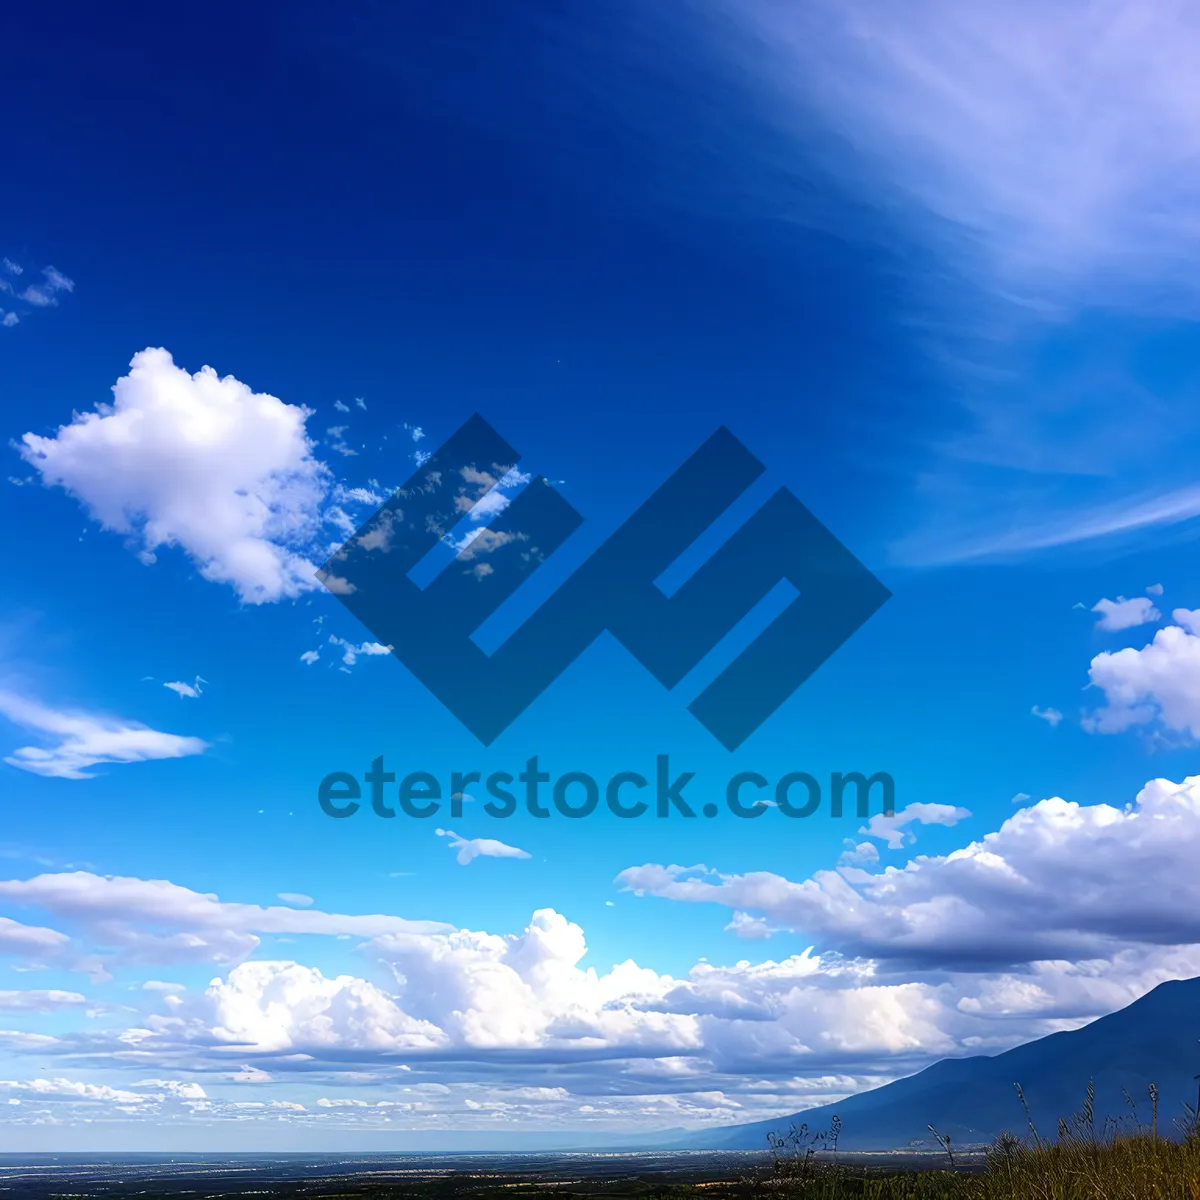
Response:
column 1122, row 1160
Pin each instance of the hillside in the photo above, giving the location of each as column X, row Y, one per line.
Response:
column 1154, row 1040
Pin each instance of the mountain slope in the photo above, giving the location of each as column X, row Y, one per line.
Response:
column 1155, row 1040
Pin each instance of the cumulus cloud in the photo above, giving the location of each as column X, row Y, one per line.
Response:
column 462, row 1005
column 200, row 462
column 276, row 1006
column 77, row 741
column 1057, row 880
column 472, row 848
column 1156, row 684
column 1040, row 925
column 1125, row 614
column 495, row 992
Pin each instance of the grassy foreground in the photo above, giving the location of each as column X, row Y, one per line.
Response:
column 1124, row 1160
column 1126, row 1168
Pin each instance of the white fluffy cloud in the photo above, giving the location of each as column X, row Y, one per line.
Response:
column 470, row 1006
column 278, row 1006
column 1158, row 683
column 201, row 462
column 1040, row 925
column 470, row 991
column 78, row 741
column 1125, row 614
column 1057, row 880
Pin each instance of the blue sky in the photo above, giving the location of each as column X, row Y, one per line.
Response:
column 940, row 280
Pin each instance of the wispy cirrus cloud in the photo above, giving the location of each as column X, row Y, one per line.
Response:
column 1064, row 137
column 19, row 938
column 1043, row 159
column 39, row 1000
column 76, row 741
column 156, row 920
column 43, row 292
column 473, row 848
column 1049, row 530
column 190, row 691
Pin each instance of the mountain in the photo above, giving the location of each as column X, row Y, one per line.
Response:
column 1155, row 1040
